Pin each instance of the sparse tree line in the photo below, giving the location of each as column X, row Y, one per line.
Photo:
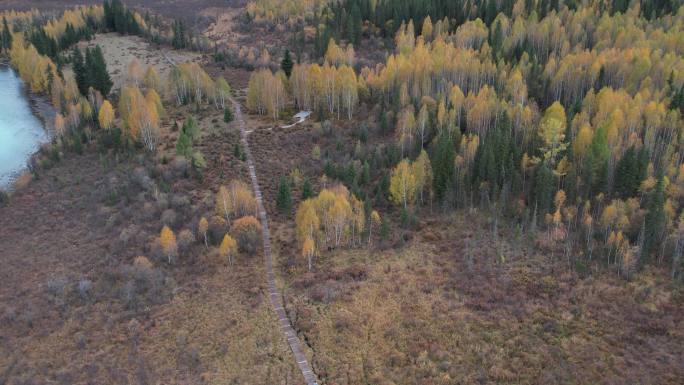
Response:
column 332, row 88
column 51, row 36
column 282, row 11
column 58, row 34
column 188, row 82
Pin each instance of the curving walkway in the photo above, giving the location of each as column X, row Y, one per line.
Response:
column 273, row 293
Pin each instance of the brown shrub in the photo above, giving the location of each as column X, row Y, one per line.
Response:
column 148, row 211
column 247, row 231
column 179, row 202
column 185, row 240
column 128, row 236
column 169, row 217
column 141, row 262
column 156, row 251
column 179, row 166
column 218, row 227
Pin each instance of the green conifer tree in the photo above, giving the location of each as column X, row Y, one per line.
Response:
column 284, row 199
column 6, row 35
column 227, row 114
column 102, row 81
column 286, row 64
column 80, row 71
column 542, row 189
column 443, row 166
column 307, row 190
column 654, row 223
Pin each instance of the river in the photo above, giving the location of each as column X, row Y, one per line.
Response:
column 21, row 132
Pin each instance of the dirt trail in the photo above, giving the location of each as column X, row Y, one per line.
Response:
column 273, row 292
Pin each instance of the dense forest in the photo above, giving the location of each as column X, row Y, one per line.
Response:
column 389, row 14
column 563, row 116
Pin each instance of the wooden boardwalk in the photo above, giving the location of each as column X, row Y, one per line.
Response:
column 273, row 293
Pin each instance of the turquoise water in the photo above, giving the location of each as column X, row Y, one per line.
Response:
column 21, row 132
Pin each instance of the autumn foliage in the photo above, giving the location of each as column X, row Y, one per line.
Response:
column 333, row 87
column 167, row 239
column 334, row 218
column 235, row 200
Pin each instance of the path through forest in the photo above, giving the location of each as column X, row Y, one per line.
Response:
column 274, row 293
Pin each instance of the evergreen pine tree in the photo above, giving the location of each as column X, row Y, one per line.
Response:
column 227, row 114
column 103, row 82
column 90, row 68
column 628, row 174
column 307, row 190
column 382, row 190
column 317, row 42
column 384, row 124
column 286, row 64
column 80, row 72
column 443, row 166
column 596, row 162
column 654, row 221
column 179, row 40
column 384, row 230
column 284, row 199
column 542, row 189
column 496, row 39
column 365, row 174
column 184, row 145
column 6, row 35
column 356, row 25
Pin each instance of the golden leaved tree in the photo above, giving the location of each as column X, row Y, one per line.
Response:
column 106, row 115
column 235, row 200
column 331, row 219
column 403, row 184
column 167, row 240
column 228, row 248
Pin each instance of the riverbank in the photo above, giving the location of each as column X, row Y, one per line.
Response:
column 42, row 109
column 41, row 106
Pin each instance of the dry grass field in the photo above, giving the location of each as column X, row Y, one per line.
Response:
column 434, row 312
column 119, row 51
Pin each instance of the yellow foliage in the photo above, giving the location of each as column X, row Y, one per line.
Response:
column 403, row 184
column 33, row 68
column 168, row 242
column 332, row 217
column 141, row 262
column 228, row 248
column 236, row 200
column 552, row 131
column 106, row 115
column 266, row 93
column 151, row 79
column 60, row 129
